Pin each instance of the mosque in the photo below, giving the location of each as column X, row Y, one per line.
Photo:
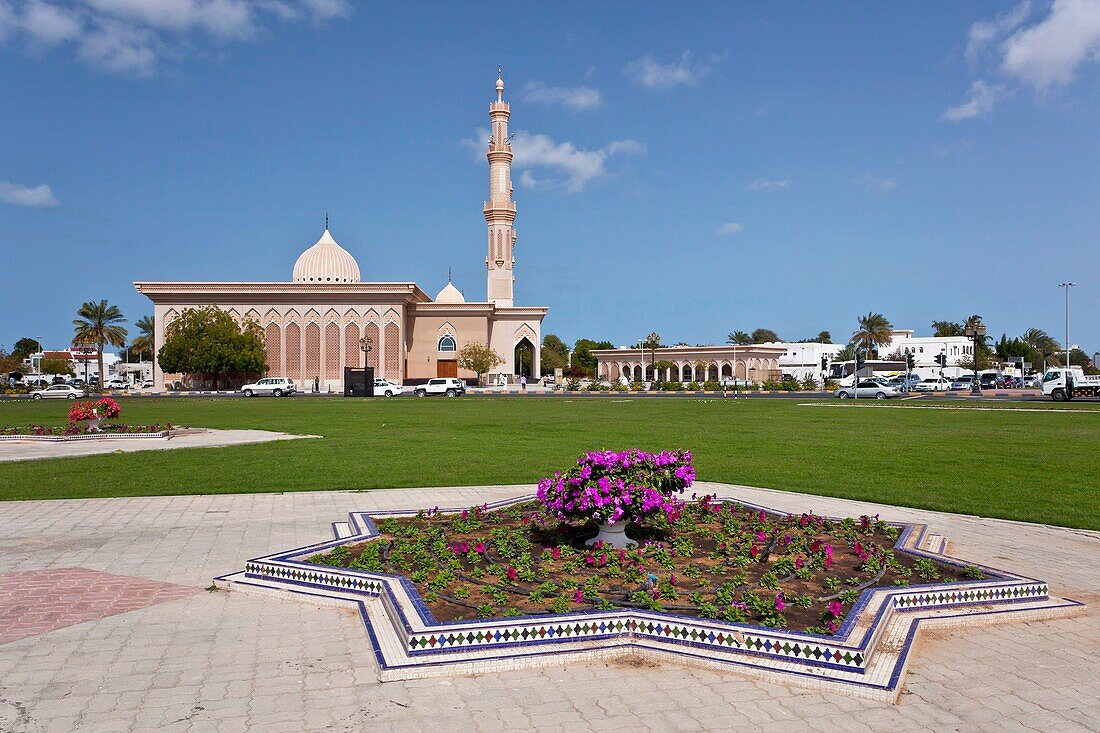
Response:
column 327, row 318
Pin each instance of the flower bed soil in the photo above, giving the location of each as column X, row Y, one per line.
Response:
column 713, row 560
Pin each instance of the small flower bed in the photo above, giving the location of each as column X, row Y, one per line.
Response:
column 74, row 428
column 705, row 559
column 610, row 486
column 105, row 408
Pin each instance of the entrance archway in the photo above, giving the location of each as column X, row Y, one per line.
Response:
column 524, row 357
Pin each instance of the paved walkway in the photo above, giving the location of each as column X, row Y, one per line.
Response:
column 232, row 662
column 18, row 450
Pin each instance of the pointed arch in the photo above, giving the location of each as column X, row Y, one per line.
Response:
column 331, row 315
column 353, row 355
column 272, row 316
column 273, row 348
column 392, row 344
column 332, row 351
column 293, row 338
column 371, row 332
column 313, row 351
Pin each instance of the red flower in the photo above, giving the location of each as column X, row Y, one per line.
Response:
column 511, row 573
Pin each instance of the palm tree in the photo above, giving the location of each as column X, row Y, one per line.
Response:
column 874, row 331
column 740, row 338
column 1042, row 342
column 147, row 340
column 97, row 326
column 946, row 328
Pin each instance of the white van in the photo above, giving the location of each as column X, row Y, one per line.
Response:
column 274, row 386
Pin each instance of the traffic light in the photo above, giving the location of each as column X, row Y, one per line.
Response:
column 824, row 362
column 860, row 361
column 910, row 362
column 941, row 359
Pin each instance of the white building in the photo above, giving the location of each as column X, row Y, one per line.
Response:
column 83, row 362
column 925, row 349
column 802, row 360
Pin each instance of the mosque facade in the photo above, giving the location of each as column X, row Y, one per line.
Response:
column 327, row 318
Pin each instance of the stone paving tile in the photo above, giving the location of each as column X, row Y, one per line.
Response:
column 36, row 601
column 232, row 662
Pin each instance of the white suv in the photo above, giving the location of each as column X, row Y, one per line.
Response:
column 449, row 386
column 274, row 386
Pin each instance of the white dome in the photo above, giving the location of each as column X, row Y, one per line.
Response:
column 449, row 294
column 326, row 262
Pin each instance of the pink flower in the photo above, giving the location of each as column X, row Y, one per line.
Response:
column 672, row 579
column 578, row 596
column 512, row 573
column 754, row 550
column 479, row 548
column 465, row 514
column 555, row 552
column 589, row 559
column 836, row 608
column 761, row 535
column 798, row 563
column 779, row 604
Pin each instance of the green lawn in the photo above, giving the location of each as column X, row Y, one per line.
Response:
column 1032, row 466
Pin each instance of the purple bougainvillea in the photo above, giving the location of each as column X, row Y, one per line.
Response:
column 609, row 486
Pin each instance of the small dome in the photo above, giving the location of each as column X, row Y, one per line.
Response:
column 326, row 262
column 449, row 294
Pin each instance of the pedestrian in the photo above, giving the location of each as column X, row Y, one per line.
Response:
column 316, row 384
column 523, row 383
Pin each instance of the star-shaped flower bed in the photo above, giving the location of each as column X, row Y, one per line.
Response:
column 829, row 603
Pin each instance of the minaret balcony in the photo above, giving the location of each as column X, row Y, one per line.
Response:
column 498, row 107
column 499, row 206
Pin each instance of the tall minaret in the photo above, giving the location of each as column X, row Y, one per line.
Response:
column 500, row 210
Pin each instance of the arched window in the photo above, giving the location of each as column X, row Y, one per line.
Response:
column 447, row 343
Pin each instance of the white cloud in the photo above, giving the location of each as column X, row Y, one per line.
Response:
column 1048, row 54
column 768, row 184
column 577, row 99
column 877, row 184
column 729, row 229
column 653, row 74
column 569, row 167
column 984, row 33
column 20, row 195
column 979, row 101
column 130, row 36
column 1043, row 55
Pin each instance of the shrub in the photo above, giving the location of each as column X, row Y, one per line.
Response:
column 636, row 386
column 672, row 386
column 620, row 387
column 692, row 386
column 711, row 386
column 608, row 486
column 772, row 386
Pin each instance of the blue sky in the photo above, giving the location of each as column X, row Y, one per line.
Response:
column 688, row 170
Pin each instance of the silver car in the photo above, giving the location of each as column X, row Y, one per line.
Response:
column 867, row 389
column 59, row 392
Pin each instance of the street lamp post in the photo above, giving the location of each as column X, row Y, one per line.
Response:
column 1067, row 286
column 975, row 330
column 365, row 347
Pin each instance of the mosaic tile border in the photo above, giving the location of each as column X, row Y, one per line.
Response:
column 409, row 642
column 72, row 438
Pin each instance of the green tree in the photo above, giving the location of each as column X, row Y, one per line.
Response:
column 479, row 359
column 946, row 328
column 824, row 337
column 873, row 332
column 764, row 335
column 1045, row 346
column 846, row 354
column 554, row 353
column 56, row 366
column 25, row 347
column 209, row 343
column 741, row 338
column 98, row 325
column 9, row 363
column 582, row 354
column 145, row 343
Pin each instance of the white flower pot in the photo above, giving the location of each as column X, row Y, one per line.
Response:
column 92, row 425
column 613, row 535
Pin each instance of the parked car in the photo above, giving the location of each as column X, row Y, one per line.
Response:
column 274, row 386
column 867, row 389
column 449, row 386
column 117, row 384
column 933, row 384
column 990, row 381
column 59, row 391
column 1034, row 381
column 36, row 383
column 76, row 382
column 1012, row 383
column 147, row 384
column 962, row 383
column 387, row 388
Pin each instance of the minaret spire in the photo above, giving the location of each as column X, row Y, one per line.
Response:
column 500, row 210
column 326, row 221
